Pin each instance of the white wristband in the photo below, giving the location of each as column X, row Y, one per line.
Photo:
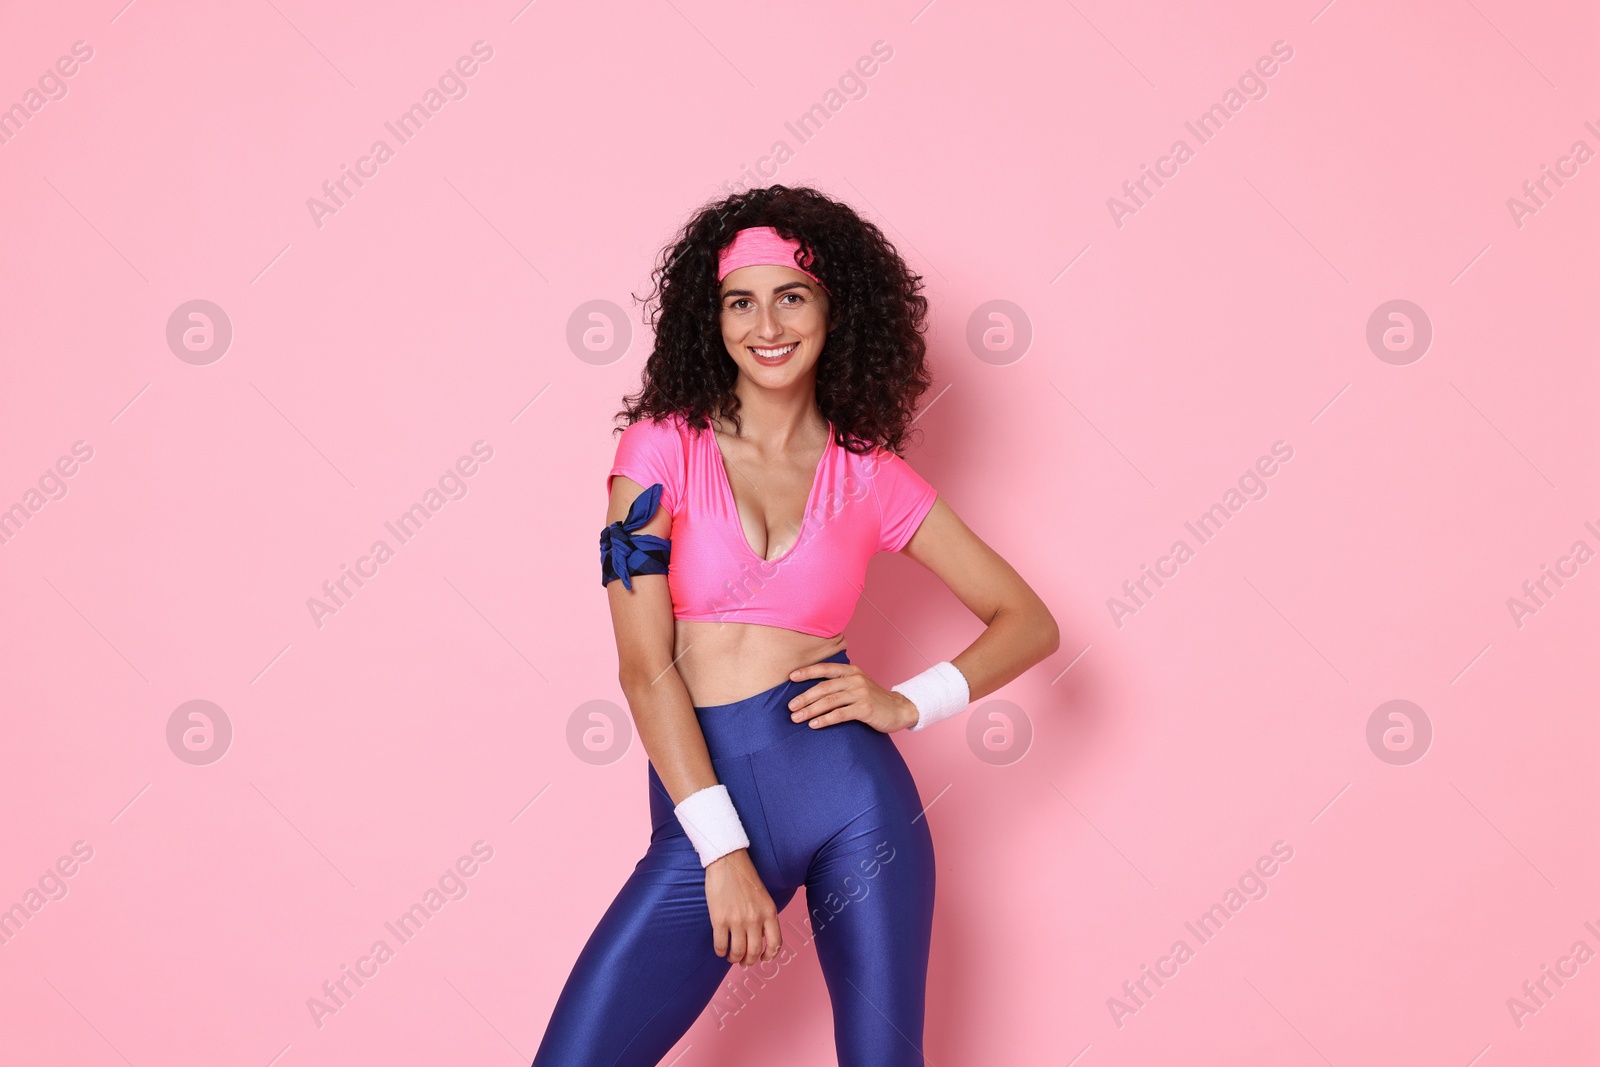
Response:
column 938, row 693
column 712, row 824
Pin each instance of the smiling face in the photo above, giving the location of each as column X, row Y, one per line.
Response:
column 774, row 324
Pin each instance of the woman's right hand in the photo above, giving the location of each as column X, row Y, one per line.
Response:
column 742, row 912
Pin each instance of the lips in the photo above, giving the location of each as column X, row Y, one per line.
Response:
column 774, row 354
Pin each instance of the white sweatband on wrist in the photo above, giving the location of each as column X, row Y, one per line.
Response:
column 938, row 693
column 714, row 829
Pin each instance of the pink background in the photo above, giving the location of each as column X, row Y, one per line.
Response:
column 1149, row 764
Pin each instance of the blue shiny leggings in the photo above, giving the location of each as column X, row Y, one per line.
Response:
column 833, row 808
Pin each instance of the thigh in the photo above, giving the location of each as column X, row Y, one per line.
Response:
column 646, row 972
column 650, row 967
column 870, row 892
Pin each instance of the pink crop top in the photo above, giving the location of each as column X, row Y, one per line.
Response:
column 860, row 504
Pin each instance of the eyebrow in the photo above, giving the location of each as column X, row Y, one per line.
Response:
column 777, row 289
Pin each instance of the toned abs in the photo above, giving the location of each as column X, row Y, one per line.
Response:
column 722, row 662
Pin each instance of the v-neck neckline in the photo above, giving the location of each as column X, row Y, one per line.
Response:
column 733, row 503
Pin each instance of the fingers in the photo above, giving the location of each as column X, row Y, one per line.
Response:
column 764, row 926
column 830, row 708
column 774, row 937
column 810, row 703
column 829, row 694
column 741, row 909
column 820, row 691
column 744, row 940
column 837, row 716
column 820, row 670
column 740, row 940
column 753, row 943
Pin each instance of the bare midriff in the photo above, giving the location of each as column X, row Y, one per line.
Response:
column 724, row 662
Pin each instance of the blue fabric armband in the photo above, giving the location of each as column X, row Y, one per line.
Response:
column 624, row 553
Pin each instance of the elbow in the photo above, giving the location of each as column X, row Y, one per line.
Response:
column 1032, row 627
column 1046, row 634
column 639, row 677
column 633, row 681
column 1049, row 636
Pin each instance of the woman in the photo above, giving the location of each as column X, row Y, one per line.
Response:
column 757, row 475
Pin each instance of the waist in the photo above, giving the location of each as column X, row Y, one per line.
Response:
column 724, row 662
column 756, row 722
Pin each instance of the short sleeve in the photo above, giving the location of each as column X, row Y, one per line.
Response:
column 651, row 451
column 904, row 499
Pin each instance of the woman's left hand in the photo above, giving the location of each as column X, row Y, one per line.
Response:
column 847, row 693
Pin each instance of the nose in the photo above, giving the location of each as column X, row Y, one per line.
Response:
column 767, row 326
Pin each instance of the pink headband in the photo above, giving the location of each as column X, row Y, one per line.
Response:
column 761, row 245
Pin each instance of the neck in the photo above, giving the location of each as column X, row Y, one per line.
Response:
column 779, row 418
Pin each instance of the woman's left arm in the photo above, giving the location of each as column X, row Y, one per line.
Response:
column 1019, row 630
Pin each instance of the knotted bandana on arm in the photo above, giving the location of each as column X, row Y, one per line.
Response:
column 624, row 553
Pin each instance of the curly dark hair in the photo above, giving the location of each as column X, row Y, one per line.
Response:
column 873, row 367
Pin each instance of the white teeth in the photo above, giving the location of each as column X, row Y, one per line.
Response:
column 775, row 353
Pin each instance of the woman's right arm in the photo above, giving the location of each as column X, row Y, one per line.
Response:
column 742, row 911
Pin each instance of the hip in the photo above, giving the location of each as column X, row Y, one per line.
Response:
column 794, row 767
